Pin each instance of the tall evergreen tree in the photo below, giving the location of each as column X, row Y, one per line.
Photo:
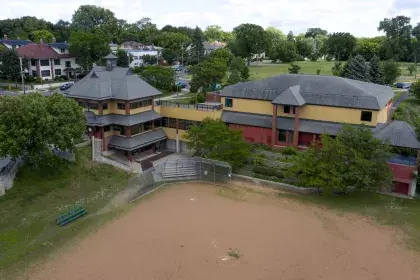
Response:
column 197, row 46
column 376, row 74
column 358, row 69
column 290, row 36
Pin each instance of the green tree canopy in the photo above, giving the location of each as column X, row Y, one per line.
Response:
column 358, row 69
column 304, row 46
column 214, row 33
column 162, row 78
column 250, row 39
column 238, row 65
column 33, row 124
column 222, row 54
column 340, row 45
column 415, row 89
column 9, row 67
column 197, row 47
column 45, row 35
column 208, row 73
column 376, row 73
column 123, row 60
column 398, row 37
column 355, row 158
column 88, row 47
column 368, row 47
column 213, row 139
column 313, row 32
column 285, row 51
column 391, row 70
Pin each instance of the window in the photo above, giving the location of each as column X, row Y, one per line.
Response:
column 93, row 106
column 62, row 50
column 13, row 46
column 45, row 62
column 286, row 109
column 134, row 105
column 107, row 128
column 229, row 102
column 68, row 64
column 45, row 73
column 182, row 124
column 282, row 136
column 145, row 103
column 83, row 104
column 119, row 128
column 136, row 129
column 158, row 123
column 57, row 72
column 104, row 106
column 148, row 126
column 121, row 106
column 366, row 116
column 57, row 62
column 34, row 73
column 172, row 123
column 33, row 62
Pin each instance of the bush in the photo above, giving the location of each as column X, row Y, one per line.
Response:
column 329, row 57
column 318, row 71
column 64, row 77
column 30, row 78
column 268, row 171
column 298, row 57
column 289, row 151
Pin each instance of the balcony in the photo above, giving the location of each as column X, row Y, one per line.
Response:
column 209, row 106
column 193, row 112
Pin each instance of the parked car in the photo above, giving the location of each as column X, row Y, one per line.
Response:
column 182, row 84
column 403, row 85
column 66, row 86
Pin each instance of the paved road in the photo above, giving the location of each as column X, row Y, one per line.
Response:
column 401, row 99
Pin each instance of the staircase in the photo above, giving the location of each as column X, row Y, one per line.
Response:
column 181, row 170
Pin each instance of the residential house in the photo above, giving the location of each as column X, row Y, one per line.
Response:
column 49, row 60
column 210, row 46
column 13, row 44
column 281, row 111
column 138, row 50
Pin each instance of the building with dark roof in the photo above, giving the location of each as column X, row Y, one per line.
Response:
column 49, row 60
column 13, row 44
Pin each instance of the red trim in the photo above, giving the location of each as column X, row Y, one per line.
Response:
column 274, row 126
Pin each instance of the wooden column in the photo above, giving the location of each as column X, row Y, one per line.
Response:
column 274, row 126
column 129, row 156
column 100, row 108
column 127, row 108
column 296, row 128
column 128, row 131
column 102, row 135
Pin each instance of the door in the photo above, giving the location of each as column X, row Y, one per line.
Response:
column 401, row 188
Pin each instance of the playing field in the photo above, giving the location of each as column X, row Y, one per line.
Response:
column 199, row 231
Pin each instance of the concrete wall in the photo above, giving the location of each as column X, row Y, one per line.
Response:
column 6, row 180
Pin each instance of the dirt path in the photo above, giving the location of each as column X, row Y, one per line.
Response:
column 186, row 231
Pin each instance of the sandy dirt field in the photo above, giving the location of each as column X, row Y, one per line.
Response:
column 186, row 231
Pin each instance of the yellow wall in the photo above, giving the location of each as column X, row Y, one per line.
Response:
column 109, row 133
column 112, row 109
column 187, row 114
column 140, row 110
column 383, row 115
column 312, row 112
column 171, row 133
column 250, row 106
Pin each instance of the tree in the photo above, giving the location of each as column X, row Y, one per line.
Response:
column 208, row 73
column 294, row 69
column 391, row 71
column 222, row 54
column 274, row 36
column 32, row 125
column 238, row 65
column 61, row 31
column 355, row 158
column 304, row 46
column 169, row 55
column 147, row 29
column 313, row 32
column 411, row 69
column 213, row 139
column 234, row 77
column 368, row 47
column 415, row 89
column 162, row 78
column 285, row 51
column 398, row 37
column 337, row 68
column 340, row 45
column 214, row 33
column 250, row 39
column 9, row 66
column 45, row 35
column 197, row 47
column 123, row 60
column 149, row 59
column 88, row 47
column 376, row 74
column 91, row 18
column 358, row 68
column 23, row 27
column 290, row 37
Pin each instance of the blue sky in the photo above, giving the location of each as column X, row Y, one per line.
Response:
column 359, row 17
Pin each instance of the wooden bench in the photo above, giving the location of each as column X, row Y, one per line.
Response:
column 71, row 216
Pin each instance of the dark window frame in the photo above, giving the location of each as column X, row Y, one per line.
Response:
column 366, row 116
column 42, row 62
column 68, row 63
column 104, row 106
column 33, row 62
column 282, row 136
column 57, row 72
column 43, row 73
column 57, row 62
column 120, row 106
column 229, row 102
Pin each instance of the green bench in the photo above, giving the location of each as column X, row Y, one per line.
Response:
column 70, row 216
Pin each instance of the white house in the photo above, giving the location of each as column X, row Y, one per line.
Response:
column 13, row 44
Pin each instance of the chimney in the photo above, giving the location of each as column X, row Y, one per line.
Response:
column 5, row 37
column 41, row 41
column 54, row 40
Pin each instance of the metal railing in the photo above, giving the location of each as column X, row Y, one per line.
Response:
column 199, row 106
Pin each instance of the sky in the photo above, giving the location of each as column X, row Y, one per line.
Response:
column 359, row 17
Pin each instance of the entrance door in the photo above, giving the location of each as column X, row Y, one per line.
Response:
column 401, row 188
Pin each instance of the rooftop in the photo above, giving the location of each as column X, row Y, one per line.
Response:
column 118, row 83
column 37, row 51
column 314, row 90
column 399, row 134
column 16, row 42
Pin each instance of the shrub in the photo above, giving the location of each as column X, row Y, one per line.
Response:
column 289, row 151
column 64, row 77
column 318, row 71
column 298, row 57
column 30, row 78
column 268, row 171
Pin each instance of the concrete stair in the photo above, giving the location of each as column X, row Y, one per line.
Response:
column 177, row 172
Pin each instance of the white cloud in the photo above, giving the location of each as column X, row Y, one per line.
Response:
column 359, row 17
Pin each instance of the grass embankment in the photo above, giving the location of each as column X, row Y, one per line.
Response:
column 29, row 209
column 387, row 210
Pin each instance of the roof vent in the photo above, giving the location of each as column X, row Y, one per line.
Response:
column 93, row 75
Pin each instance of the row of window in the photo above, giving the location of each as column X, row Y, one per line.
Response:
column 139, row 104
column 46, row 62
column 182, row 124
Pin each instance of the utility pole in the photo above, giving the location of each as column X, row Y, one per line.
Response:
column 21, row 74
column 182, row 54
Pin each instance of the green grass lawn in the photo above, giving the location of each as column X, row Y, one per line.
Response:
column 29, row 209
column 398, row 93
column 388, row 210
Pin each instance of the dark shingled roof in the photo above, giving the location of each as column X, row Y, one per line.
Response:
column 315, row 90
column 136, row 142
column 37, row 51
column 284, row 123
column 126, row 120
column 399, row 134
column 5, row 161
column 111, row 56
column 118, row 83
column 290, row 96
column 16, row 42
column 59, row 45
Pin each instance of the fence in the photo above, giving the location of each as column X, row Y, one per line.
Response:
column 200, row 106
column 179, row 170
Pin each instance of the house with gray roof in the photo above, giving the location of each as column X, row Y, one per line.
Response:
column 120, row 109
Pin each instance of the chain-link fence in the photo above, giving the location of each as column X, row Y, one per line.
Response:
column 179, row 170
